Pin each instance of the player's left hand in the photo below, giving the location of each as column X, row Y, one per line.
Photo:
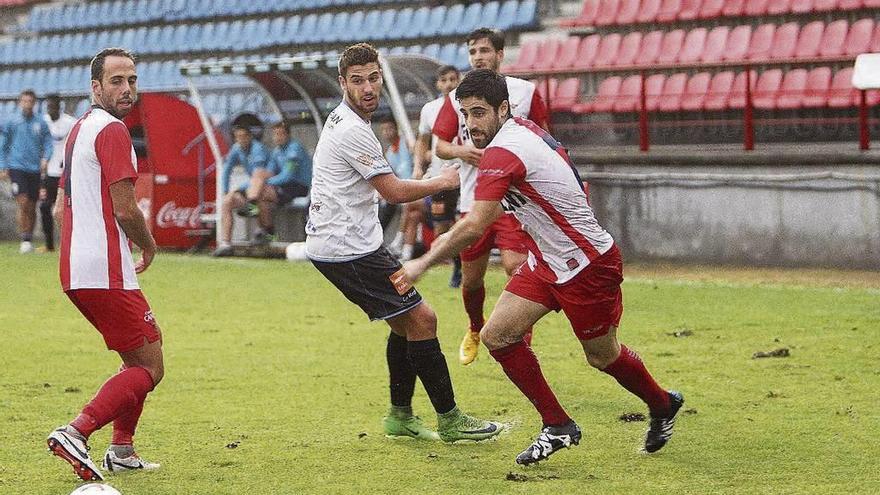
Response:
column 146, row 260
column 413, row 270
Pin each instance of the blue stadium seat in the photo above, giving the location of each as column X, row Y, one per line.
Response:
column 355, row 27
column 372, row 23
column 36, row 19
column 527, row 15
column 235, row 36
column 470, row 20
column 152, row 41
column 461, row 57
column 432, row 50
column 178, row 42
column 338, row 25
column 507, row 15
column 140, row 37
column 306, row 29
column 447, row 53
column 259, row 33
column 401, row 24
column 418, row 24
column 435, row 21
column 282, row 33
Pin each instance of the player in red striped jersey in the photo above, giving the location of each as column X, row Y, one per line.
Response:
column 100, row 216
column 573, row 264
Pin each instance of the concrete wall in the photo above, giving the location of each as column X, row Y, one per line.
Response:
column 754, row 215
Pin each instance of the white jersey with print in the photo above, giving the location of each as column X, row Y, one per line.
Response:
column 344, row 216
column 450, row 126
column 531, row 174
column 427, row 118
column 59, row 129
column 95, row 252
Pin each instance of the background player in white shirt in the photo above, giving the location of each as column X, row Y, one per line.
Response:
column 60, row 125
column 485, row 51
column 573, row 265
column 345, row 244
column 100, row 215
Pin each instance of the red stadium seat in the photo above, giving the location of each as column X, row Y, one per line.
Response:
column 792, row 90
column 608, row 48
column 586, row 52
column 650, row 48
column 605, row 97
column 648, row 11
column 762, row 41
column 737, row 99
column 673, row 92
column 545, row 87
column 872, row 3
column 849, row 4
column 711, row 9
column 777, row 7
column 628, row 12
column 690, row 10
column 733, row 8
column 629, row 49
column 833, row 39
column 842, row 94
column 654, row 91
column 756, row 8
column 587, row 17
column 718, row 94
column 528, row 55
column 801, row 6
column 607, row 12
column 668, row 10
column 875, row 41
column 630, row 95
column 566, row 95
column 547, row 54
column 785, row 41
column 818, row 82
column 568, row 53
column 738, row 43
column 693, row 46
column 670, row 47
column 695, row 92
column 809, row 40
column 716, row 43
column 858, row 40
column 824, row 5
column 767, row 89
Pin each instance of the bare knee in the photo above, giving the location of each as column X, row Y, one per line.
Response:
column 157, row 372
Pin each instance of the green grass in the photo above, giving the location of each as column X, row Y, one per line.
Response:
column 266, row 355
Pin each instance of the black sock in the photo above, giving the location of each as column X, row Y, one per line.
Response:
column 48, row 224
column 456, row 264
column 400, row 371
column 430, row 366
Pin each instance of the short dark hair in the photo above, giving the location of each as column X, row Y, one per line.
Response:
column 28, row 92
column 242, row 128
column 282, row 124
column 97, row 65
column 446, row 69
column 483, row 83
column 359, row 54
column 53, row 97
column 495, row 37
column 388, row 119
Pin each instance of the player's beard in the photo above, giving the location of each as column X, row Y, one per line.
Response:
column 368, row 107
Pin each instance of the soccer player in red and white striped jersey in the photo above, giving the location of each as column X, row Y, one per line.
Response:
column 100, row 219
column 573, row 264
column 485, row 51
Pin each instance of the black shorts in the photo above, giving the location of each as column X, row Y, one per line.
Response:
column 444, row 205
column 287, row 192
column 370, row 283
column 27, row 183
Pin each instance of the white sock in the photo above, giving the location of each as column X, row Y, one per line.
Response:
column 407, row 252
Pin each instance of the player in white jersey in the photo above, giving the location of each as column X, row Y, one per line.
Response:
column 485, row 51
column 442, row 207
column 60, row 125
column 345, row 244
column 100, row 216
column 573, row 264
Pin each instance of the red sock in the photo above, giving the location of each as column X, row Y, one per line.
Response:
column 119, row 395
column 125, row 424
column 473, row 305
column 630, row 372
column 521, row 366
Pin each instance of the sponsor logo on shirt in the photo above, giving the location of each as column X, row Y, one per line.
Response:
column 149, row 317
column 572, row 263
column 491, row 171
column 401, row 284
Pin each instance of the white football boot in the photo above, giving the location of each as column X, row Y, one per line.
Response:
column 74, row 451
column 116, row 464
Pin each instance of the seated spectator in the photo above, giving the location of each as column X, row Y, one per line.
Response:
column 251, row 155
column 401, row 162
column 288, row 176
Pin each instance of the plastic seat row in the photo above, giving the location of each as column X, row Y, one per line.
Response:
column 768, row 42
column 409, row 22
column 771, row 90
column 621, row 12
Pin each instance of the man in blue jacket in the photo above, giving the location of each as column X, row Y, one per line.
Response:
column 288, row 176
column 25, row 149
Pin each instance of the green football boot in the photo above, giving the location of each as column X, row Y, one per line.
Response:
column 400, row 422
column 456, row 425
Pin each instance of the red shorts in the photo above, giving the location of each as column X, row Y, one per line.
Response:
column 592, row 301
column 506, row 234
column 122, row 316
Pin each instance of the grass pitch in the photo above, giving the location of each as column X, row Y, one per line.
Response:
column 275, row 384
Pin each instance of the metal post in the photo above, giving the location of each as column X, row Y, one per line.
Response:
column 748, row 114
column 644, row 138
column 864, row 130
column 215, row 151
